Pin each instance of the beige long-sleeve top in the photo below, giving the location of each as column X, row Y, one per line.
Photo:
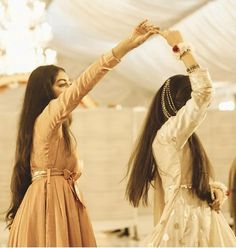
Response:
column 48, row 143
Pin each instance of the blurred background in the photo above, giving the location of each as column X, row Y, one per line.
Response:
column 74, row 33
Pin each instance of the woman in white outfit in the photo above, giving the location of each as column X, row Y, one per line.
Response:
column 187, row 200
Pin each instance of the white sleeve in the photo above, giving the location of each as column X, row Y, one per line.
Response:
column 179, row 128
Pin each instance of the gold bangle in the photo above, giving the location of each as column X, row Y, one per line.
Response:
column 192, row 68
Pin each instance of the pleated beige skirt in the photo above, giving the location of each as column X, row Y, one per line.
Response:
column 50, row 215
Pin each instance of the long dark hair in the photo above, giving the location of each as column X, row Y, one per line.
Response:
column 142, row 167
column 37, row 96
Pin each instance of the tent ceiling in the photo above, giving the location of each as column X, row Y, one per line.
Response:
column 84, row 29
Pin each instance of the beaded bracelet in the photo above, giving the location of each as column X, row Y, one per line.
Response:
column 220, row 186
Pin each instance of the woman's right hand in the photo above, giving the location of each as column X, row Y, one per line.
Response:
column 141, row 33
column 172, row 37
column 138, row 36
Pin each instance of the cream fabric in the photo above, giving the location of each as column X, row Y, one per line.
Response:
column 52, row 212
column 185, row 219
column 83, row 29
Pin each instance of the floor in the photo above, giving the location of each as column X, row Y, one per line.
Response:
column 109, row 238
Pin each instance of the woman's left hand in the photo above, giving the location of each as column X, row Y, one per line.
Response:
column 219, row 197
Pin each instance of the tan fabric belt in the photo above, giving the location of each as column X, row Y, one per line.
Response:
column 68, row 175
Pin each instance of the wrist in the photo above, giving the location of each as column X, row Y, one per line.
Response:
column 122, row 48
column 180, row 49
column 220, row 186
column 189, row 60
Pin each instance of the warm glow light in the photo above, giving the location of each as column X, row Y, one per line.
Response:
column 50, row 56
column 227, row 106
column 24, row 36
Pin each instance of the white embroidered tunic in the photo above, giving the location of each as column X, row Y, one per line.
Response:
column 181, row 218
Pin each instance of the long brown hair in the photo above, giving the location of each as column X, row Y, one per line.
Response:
column 38, row 94
column 142, row 167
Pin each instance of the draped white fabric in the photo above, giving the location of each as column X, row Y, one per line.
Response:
column 85, row 29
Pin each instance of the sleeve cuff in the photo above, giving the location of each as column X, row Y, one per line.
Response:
column 109, row 60
column 200, row 78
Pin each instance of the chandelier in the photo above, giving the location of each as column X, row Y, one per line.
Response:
column 24, row 37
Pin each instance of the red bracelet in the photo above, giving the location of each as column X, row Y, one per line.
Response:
column 180, row 49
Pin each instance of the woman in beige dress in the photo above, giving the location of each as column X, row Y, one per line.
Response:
column 187, row 200
column 47, row 208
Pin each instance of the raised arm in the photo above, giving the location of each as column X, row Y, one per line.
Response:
column 59, row 109
column 179, row 128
